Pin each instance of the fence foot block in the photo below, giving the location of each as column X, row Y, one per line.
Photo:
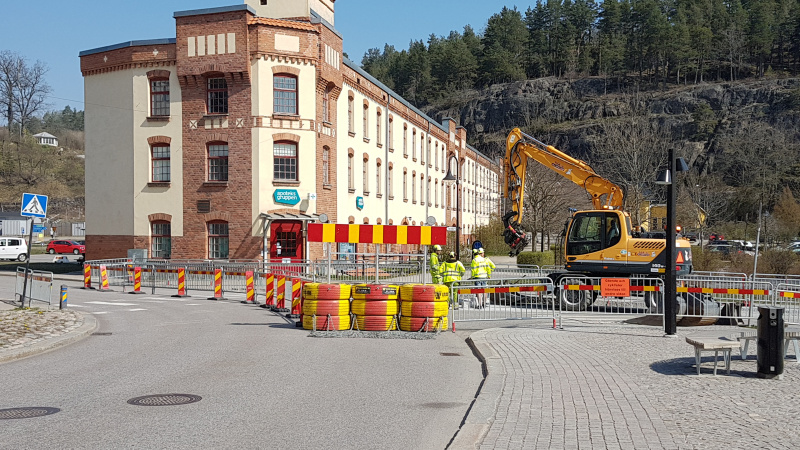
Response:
column 180, row 296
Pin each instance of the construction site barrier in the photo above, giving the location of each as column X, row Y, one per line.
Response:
column 269, row 290
column 137, row 280
column 251, row 289
column 217, row 285
column 87, row 276
column 104, row 278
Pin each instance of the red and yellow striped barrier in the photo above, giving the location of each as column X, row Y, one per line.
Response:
column 87, row 276
column 137, row 281
column 103, row 278
column 269, row 300
column 787, row 294
column 251, row 287
column 181, row 281
column 297, row 300
column 724, row 291
column 376, row 234
column 217, row 285
column 502, row 290
column 281, row 303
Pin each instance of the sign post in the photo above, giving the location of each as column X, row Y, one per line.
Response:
column 33, row 205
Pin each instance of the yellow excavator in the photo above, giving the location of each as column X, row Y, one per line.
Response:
column 599, row 242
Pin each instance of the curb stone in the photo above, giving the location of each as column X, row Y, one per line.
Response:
column 88, row 327
column 482, row 412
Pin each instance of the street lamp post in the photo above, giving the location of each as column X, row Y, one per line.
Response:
column 670, row 283
column 449, row 178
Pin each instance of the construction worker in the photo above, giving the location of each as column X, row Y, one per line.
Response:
column 452, row 271
column 482, row 268
column 436, row 277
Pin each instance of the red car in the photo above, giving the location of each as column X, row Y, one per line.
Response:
column 65, row 247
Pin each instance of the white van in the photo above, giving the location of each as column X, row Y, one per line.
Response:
column 13, row 248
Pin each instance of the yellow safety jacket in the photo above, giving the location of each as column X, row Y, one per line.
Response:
column 434, row 269
column 452, row 271
column 479, row 267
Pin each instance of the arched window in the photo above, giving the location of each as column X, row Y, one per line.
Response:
column 350, row 113
column 405, row 140
column 405, row 185
column 326, row 165
column 160, row 239
column 414, row 187
column 326, row 105
column 284, row 93
column 218, row 240
column 378, row 137
column 351, row 183
column 378, row 184
column 217, row 161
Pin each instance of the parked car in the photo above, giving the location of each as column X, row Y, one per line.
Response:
column 13, row 248
column 724, row 250
column 691, row 237
column 65, row 247
column 713, row 237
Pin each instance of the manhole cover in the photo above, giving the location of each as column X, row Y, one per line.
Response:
column 450, row 354
column 26, row 413
column 165, row 400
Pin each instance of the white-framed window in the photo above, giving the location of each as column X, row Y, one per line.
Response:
column 284, row 91
column 350, row 112
column 366, row 176
column 414, row 144
column 161, row 163
column 390, row 181
column 405, row 140
column 350, row 176
column 366, row 122
column 160, row 239
column 378, row 184
column 284, row 161
column 326, row 165
column 405, row 185
column 414, row 187
column 218, row 240
column 378, row 121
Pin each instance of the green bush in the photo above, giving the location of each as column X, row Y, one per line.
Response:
column 536, row 258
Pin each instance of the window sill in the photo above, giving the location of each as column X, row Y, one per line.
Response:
column 366, row 140
column 215, row 184
column 157, row 184
column 279, row 116
column 158, row 118
column 414, row 159
column 405, row 200
column 391, row 150
column 366, row 194
column 378, row 195
column 405, row 156
column 327, row 124
column 379, row 145
column 214, row 116
column 327, row 187
column 351, row 190
column 285, row 183
column 351, row 133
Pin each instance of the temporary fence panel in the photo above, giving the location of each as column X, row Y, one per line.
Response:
column 732, row 299
column 39, row 285
column 577, row 294
column 787, row 296
column 364, row 268
column 500, row 300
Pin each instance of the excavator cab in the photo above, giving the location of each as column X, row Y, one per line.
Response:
column 593, row 231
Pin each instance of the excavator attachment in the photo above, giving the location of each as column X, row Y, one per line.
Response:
column 514, row 235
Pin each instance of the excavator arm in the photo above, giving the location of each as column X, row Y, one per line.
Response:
column 519, row 148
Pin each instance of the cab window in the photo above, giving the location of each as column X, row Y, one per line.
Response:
column 585, row 235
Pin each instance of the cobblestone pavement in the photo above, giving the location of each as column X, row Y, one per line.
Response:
column 629, row 387
column 22, row 328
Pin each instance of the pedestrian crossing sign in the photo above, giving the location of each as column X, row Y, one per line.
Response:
column 34, row 205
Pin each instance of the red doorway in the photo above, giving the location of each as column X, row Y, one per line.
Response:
column 286, row 241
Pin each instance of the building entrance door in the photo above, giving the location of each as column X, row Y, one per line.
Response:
column 286, row 241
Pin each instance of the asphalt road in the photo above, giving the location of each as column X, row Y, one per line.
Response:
column 263, row 382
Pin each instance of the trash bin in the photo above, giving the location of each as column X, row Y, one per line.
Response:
column 770, row 342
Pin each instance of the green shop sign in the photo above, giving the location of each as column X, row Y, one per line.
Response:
column 286, row 196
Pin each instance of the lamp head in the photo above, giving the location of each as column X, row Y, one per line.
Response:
column 664, row 177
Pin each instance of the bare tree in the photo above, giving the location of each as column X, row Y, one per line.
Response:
column 629, row 152
column 23, row 88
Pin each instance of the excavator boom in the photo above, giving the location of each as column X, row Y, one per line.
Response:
column 519, row 148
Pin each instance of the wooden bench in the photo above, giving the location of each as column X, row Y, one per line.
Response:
column 790, row 335
column 716, row 344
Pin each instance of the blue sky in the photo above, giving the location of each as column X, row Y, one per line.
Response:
column 54, row 31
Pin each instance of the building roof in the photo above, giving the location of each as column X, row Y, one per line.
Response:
column 282, row 23
column 43, row 135
column 400, row 99
column 221, row 9
column 108, row 48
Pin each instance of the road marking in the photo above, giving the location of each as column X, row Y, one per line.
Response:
column 72, row 305
column 114, row 304
column 194, row 304
column 98, row 312
column 137, row 309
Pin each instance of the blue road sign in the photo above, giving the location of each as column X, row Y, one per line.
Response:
column 39, row 228
column 34, row 205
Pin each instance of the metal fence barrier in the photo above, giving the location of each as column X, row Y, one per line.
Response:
column 497, row 299
column 39, row 286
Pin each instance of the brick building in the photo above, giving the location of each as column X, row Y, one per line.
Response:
column 228, row 139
